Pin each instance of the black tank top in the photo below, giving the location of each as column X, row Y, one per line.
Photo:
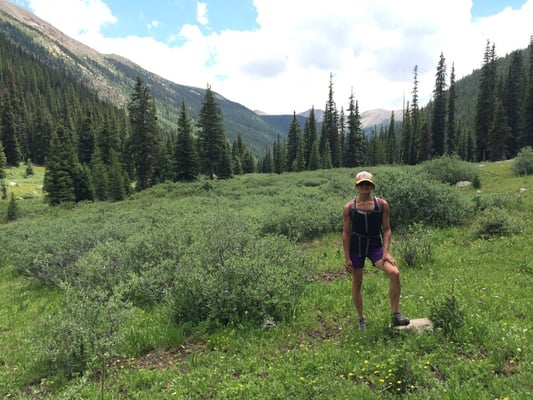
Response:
column 366, row 233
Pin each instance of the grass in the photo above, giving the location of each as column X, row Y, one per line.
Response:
column 320, row 353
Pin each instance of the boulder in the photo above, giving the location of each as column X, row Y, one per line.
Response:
column 417, row 325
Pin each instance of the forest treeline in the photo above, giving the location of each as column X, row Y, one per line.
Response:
column 94, row 150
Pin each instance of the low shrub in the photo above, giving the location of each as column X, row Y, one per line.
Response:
column 413, row 198
column 236, row 276
column 494, row 222
column 450, row 170
column 523, row 162
column 447, row 315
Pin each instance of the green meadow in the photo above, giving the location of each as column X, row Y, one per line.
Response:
column 235, row 289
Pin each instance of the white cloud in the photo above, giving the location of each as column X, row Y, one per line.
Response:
column 74, row 17
column 201, row 13
column 371, row 46
column 153, row 24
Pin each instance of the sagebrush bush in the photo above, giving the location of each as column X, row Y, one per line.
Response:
column 86, row 332
column 509, row 201
column 494, row 222
column 450, row 170
column 235, row 275
column 523, row 162
column 416, row 199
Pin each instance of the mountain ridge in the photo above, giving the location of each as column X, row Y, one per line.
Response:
column 112, row 76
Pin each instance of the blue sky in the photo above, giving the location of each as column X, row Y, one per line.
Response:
column 277, row 55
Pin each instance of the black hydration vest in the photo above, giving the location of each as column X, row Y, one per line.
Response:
column 367, row 228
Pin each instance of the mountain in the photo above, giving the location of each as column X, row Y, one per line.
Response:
column 369, row 119
column 113, row 77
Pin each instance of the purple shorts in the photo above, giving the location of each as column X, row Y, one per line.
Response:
column 373, row 255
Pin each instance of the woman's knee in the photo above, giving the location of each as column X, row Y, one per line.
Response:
column 394, row 273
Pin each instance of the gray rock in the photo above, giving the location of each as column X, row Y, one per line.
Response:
column 417, row 325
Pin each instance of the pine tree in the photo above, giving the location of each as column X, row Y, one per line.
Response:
column 485, row 103
column 526, row 137
column 416, row 122
column 406, row 133
column 512, row 101
column 293, row 142
column 438, row 118
column 236, row 150
column 99, row 177
column 212, row 136
column 354, row 149
column 58, row 182
column 248, row 162
column 224, row 169
column 185, row 156
column 314, row 159
column 330, row 132
column 451, row 139
column 145, row 139
column 310, row 136
column 278, row 157
column 116, row 187
column 41, row 134
column 3, row 162
column 298, row 164
column 86, row 139
column 390, row 141
column 342, row 137
column 266, row 164
column 498, row 135
column 9, row 130
column 12, row 208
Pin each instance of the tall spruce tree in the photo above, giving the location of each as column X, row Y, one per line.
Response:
column 144, row 140
column 485, row 103
column 342, row 136
column 416, row 122
column 390, row 141
column 354, row 148
column 9, row 129
column 310, row 136
column 451, row 139
column 3, row 162
column 185, row 155
column 278, row 156
column 329, row 139
column 526, row 137
column 293, row 142
column 86, row 138
column 498, row 135
column 58, row 182
column 405, row 139
column 212, row 140
column 513, row 98
column 438, row 117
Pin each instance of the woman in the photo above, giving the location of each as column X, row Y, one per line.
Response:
column 367, row 233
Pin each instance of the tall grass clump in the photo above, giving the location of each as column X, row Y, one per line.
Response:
column 415, row 244
column 450, row 170
column 447, row 314
column 523, row 162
